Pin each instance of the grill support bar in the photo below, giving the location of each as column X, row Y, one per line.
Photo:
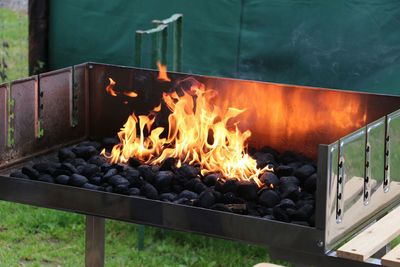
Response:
column 95, row 240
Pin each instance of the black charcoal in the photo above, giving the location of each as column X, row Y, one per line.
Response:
column 62, row 179
column 304, row 171
column 206, row 199
column 149, row 191
column 188, row 194
column 247, row 190
column 78, row 180
column 46, row 178
column 269, row 198
column 168, row 164
column 134, row 191
column 31, row 173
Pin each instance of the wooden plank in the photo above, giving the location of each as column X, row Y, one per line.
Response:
column 372, row 238
column 392, row 258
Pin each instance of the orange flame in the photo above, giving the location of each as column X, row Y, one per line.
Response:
column 110, row 87
column 130, row 94
column 199, row 133
column 111, row 91
column 162, row 72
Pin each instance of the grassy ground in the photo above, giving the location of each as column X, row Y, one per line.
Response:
column 32, row 236
column 14, row 43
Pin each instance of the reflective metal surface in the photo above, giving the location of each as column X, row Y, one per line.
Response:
column 356, row 192
column 286, row 117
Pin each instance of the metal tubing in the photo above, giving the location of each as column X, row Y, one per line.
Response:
column 95, row 240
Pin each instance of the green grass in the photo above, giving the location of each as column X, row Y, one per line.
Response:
column 39, row 237
column 32, row 236
column 14, row 32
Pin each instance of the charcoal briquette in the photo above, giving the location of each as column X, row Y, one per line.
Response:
column 84, row 152
column 247, row 190
column 188, row 194
column 78, row 180
column 149, row 191
column 133, row 162
column 69, row 167
column 62, row 179
column 280, row 214
column 287, row 203
column 210, row 179
column 283, row 170
column 90, row 170
column 96, row 180
column 117, row 180
column 231, row 198
column 42, row 167
column 147, row 173
column 109, row 142
column 270, row 179
column 229, row 186
column 168, row 164
column 91, row 186
column 163, row 179
column 65, row 154
column 206, row 199
column 122, row 189
column 31, row 173
column 269, row 198
column 199, row 187
column 97, row 160
column 289, row 180
column 133, row 191
column 187, row 171
column 91, row 143
column 168, row 196
column 310, row 184
column 304, row 171
column 110, row 173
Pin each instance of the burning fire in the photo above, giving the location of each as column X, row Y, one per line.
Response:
column 198, row 133
column 110, row 89
column 162, row 73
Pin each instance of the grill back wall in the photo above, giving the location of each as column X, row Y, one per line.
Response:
column 42, row 113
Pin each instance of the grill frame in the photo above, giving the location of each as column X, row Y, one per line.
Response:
column 84, row 85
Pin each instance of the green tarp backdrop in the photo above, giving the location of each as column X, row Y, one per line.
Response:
column 347, row 44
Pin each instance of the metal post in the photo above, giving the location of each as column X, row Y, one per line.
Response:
column 95, row 239
column 138, row 48
column 140, row 240
column 177, row 21
column 178, row 44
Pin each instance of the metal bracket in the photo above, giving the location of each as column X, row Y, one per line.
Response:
column 39, row 111
column 367, row 170
column 386, row 177
column 74, row 99
column 340, row 185
column 11, row 117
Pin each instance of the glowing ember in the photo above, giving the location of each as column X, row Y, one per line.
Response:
column 198, row 133
column 162, row 73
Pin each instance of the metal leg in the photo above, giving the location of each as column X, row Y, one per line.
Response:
column 95, row 232
column 140, row 239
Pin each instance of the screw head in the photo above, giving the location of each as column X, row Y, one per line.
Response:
column 320, row 243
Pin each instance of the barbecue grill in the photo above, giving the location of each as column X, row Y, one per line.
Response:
column 354, row 137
